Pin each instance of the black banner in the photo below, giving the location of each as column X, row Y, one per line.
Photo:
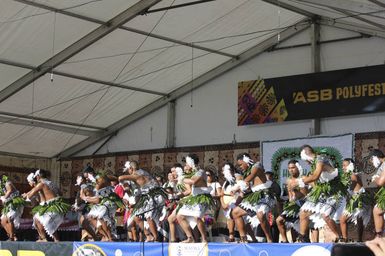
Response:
column 316, row 95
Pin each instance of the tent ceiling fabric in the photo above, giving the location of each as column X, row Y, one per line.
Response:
column 33, row 140
column 32, row 32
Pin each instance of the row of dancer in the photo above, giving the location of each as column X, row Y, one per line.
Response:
column 178, row 209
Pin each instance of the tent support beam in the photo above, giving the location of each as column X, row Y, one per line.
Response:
column 77, row 47
column 177, row 6
column 47, row 125
column 133, row 30
column 315, row 34
column 83, row 78
column 186, row 88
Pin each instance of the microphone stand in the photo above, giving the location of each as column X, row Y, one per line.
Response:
column 143, row 219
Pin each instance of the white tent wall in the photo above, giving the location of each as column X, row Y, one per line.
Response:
column 146, row 133
column 212, row 118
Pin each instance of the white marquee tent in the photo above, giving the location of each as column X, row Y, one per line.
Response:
column 76, row 71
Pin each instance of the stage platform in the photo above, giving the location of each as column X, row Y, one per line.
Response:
column 161, row 249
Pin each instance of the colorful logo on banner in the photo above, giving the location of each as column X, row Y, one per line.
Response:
column 308, row 96
column 194, row 249
column 88, row 250
column 118, row 249
column 258, row 104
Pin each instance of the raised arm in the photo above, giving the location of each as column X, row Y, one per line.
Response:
column 315, row 175
column 9, row 189
column 193, row 180
column 380, row 181
column 131, row 177
column 33, row 191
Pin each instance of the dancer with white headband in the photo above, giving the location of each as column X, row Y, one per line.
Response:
column 325, row 202
column 230, row 193
column 13, row 206
column 378, row 161
column 149, row 205
column 258, row 199
column 357, row 209
column 49, row 215
column 289, row 219
column 192, row 208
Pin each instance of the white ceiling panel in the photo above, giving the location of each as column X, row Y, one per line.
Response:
column 35, row 141
column 27, row 33
column 75, row 101
column 8, row 74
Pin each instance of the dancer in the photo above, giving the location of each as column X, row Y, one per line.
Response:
column 289, row 219
column 13, row 206
column 378, row 161
column 326, row 200
column 151, row 202
column 357, row 209
column 257, row 200
column 192, row 208
column 104, row 206
column 49, row 215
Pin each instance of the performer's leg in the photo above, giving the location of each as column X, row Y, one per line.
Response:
column 282, row 229
column 106, row 230
column 153, row 229
column 171, row 223
column 332, row 225
column 134, row 232
column 56, row 237
column 360, row 229
column 294, row 235
column 250, row 232
column 265, row 226
column 186, row 228
column 87, row 226
column 12, row 230
column 40, row 231
column 230, row 226
column 304, row 224
column 4, row 223
column 237, row 215
column 344, row 226
column 202, row 229
column 314, row 235
column 378, row 217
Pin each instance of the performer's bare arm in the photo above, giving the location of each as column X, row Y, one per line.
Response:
column 381, row 180
column 290, row 189
column 9, row 189
column 91, row 199
column 187, row 191
column 34, row 191
column 252, row 175
column 131, row 177
column 315, row 175
column 193, row 180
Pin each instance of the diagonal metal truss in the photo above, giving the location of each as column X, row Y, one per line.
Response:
column 133, row 30
column 291, row 8
column 348, row 8
column 76, row 47
column 379, row 3
column 45, row 123
column 82, row 78
column 351, row 26
column 186, row 88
